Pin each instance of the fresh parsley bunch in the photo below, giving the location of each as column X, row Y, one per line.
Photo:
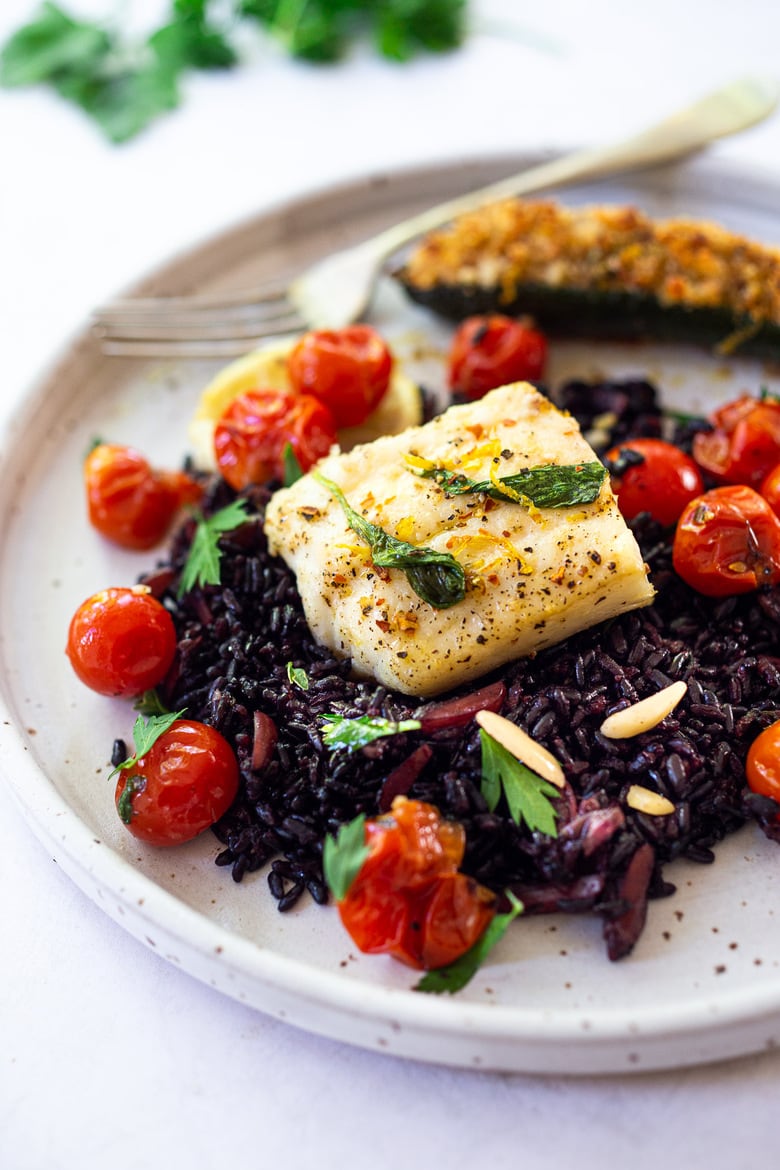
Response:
column 124, row 85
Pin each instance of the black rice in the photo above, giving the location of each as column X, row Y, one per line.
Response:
column 236, row 643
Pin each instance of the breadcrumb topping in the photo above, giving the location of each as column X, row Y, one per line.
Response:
column 515, row 242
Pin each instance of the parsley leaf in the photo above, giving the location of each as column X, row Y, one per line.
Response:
column 146, row 732
column 298, row 676
column 434, row 576
column 343, row 856
column 527, row 795
column 456, row 975
column 51, row 45
column 356, row 733
column 123, row 84
column 292, row 468
column 150, row 703
column 202, row 566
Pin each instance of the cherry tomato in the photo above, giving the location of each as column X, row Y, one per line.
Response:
column 409, row 899
column 128, row 501
column 762, row 766
column 347, row 369
column 745, row 443
column 493, row 350
column 727, row 541
column 186, row 781
column 251, row 436
column 121, row 642
column 662, row 484
column 770, row 489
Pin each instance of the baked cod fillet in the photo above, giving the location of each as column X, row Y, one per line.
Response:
column 532, row 575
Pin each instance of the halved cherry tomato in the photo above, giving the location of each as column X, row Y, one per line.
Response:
column 649, row 475
column 129, row 502
column 727, row 541
column 762, row 766
column 409, row 899
column 121, row 642
column 770, row 489
column 186, row 781
column 490, row 351
column 347, row 369
column 745, row 443
column 251, row 436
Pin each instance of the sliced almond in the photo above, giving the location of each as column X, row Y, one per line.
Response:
column 522, row 746
column 644, row 800
column 644, row 715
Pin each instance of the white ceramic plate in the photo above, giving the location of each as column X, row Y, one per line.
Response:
column 703, row 982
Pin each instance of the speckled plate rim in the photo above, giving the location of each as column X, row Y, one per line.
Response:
column 435, row 1029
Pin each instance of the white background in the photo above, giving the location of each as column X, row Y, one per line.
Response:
column 108, row 1057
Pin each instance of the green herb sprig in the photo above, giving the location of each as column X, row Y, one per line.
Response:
column 456, row 975
column 528, row 796
column 352, row 734
column 434, row 576
column 202, row 566
column 146, row 732
column 551, row 485
column 124, row 84
column 343, row 856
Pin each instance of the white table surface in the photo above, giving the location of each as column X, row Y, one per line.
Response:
column 109, row 1058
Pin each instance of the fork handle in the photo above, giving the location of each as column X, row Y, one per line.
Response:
column 724, row 112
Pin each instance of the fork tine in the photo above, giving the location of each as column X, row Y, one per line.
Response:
column 187, row 349
column 270, row 291
column 201, row 325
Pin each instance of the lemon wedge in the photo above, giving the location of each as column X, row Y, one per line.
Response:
column 400, row 408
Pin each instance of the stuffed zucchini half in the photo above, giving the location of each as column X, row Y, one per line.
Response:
column 609, row 272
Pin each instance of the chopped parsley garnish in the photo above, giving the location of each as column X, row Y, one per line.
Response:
column 456, row 975
column 434, row 576
column 292, row 468
column 364, row 729
column 202, row 566
column 146, row 732
column 527, row 795
column 298, row 676
column 552, row 485
column 124, row 83
column 343, row 856
column 150, row 703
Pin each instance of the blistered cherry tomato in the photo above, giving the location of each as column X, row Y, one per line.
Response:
column 662, row 484
column 251, row 436
column 409, row 899
column 129, row 502
column 121, row 642
column 186, row 781
column 347, row 369
column 727, row 541
column 770, row 489
column 745, row 443
column 490, row 351
column 762, row 766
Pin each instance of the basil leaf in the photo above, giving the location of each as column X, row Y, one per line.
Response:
column 552, row 485
column 527, row 795
column 364, row 729
column 343, row 856
column 435, row 577
column 456, row 975
column 202, row 566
